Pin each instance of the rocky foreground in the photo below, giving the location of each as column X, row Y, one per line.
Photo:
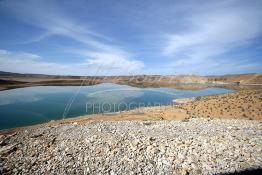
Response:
column 195, row 146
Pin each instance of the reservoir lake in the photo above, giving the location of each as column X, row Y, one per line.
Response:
column 33, row 105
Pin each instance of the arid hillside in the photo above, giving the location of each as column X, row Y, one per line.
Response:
column 251, row 79
column 14, row 80
column 243, row 104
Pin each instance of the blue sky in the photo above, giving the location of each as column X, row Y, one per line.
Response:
column 112, row 37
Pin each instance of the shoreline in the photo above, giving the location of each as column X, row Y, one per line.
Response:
column 179, row 111
column 191, row 82
column 178, row 86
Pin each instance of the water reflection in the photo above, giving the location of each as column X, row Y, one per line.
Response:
column 26, row 106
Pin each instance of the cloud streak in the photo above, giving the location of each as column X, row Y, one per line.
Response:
column 211, row 34
column 152, row 37
column 221, row 32
column 49, row 17
column 25, row 62
column 103, row 54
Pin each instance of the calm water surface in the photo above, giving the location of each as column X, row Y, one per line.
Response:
column 32, row 105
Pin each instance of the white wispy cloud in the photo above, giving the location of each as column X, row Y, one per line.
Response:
column 219, row 32
column 103, row 53
column 112, row 61
column 210, row 34
column 168, row 37
column 49, row 17
column 98, row 64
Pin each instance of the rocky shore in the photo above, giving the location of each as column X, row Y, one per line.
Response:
column 194, row 146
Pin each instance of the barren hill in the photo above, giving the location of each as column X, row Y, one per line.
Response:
column 24, row 80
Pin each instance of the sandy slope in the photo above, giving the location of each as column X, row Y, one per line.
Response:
column 243, row 104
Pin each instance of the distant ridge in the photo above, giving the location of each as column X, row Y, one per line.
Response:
column 10, row 80
column 142, row 75
column 3, row 73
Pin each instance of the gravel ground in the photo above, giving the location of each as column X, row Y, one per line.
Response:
column 195, row 146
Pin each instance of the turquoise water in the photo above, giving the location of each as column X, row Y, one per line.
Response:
column 32, row 105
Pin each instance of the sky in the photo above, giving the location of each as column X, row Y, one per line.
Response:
column 127, row 37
